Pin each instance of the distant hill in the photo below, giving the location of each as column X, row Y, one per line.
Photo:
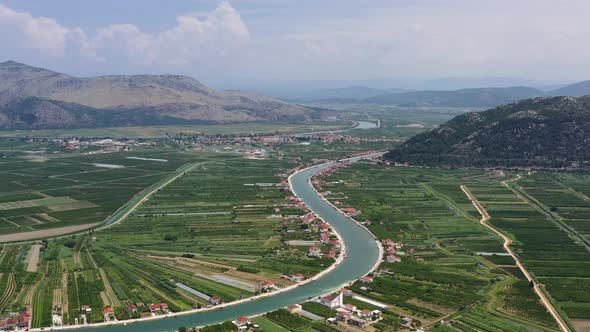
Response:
column 575, row 90
column 346, row 94
column 539, row 132
column 478, row 97
column 43, row 113
column 169, row 98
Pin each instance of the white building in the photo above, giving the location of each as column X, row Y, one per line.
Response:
column 332, row 301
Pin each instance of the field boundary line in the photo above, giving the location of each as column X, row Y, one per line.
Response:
column 144, row 195
column 555, row 218
column 234, row 303
column 449, row 202
column 115, row 217
column 485, row 217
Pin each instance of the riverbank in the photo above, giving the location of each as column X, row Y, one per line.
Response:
column 321, row 283
column 381, row 249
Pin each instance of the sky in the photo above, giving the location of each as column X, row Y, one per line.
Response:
column 240, row 42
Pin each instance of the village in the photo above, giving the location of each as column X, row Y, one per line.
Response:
column 339, row 303
column 107, row 145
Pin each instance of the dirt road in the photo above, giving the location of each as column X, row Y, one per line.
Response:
column 485, row 217
column 51, row 232
column 33, row 258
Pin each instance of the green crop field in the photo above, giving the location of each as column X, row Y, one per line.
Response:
column 218, row 228
column 175, row 130
column 65, row 190
column 177, row 219
column 444, row 277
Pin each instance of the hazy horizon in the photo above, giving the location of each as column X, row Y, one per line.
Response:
column 263, row 44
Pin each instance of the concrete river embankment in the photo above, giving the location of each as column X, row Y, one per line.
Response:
column 362, row 253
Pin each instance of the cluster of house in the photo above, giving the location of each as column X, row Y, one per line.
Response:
column 253, row 153
column 349, row 313
column 350, row 211
column 393, row 250
column 333, row 138
column 108, row 144
column 273, row 139
column 17, row 322
column 316, row 251
column 158, row 308
column 109, row 312
column 332, row 245
column 243, row 140
column 295, row 202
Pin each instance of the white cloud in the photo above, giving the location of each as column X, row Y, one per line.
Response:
column 195, row 37
column 40, row 33
column 310, row 39
column 535, row 38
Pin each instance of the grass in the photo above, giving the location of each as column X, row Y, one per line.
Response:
column 268, row 325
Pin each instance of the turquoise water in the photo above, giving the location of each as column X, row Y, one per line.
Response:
column 362, row 254
column 360, row 125
column 366, row 125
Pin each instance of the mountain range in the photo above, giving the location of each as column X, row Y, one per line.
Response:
column 472, row 97
column 547, row 132
column 37, row 98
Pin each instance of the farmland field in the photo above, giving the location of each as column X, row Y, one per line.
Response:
column 223, row 222
column 456, row 268
column 172, row 130
column 68, row 190
column 218, row 229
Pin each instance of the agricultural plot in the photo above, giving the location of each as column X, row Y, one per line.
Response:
column 179, row 130
column 456, row 268
column 555, row 258
column 217, row 230
column 549, row 253
column 68, row 190
column 564, row 195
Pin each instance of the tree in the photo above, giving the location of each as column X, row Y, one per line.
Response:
column 70, row 243
column 170, row 237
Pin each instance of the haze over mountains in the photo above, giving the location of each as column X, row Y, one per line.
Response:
column 38, row 98
column 470, row 97
column 538, row 132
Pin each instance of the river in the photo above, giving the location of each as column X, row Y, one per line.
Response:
column 359, row 125
column 362, row 253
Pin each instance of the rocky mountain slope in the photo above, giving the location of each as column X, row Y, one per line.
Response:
column 148, row 99
column 540, row 132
